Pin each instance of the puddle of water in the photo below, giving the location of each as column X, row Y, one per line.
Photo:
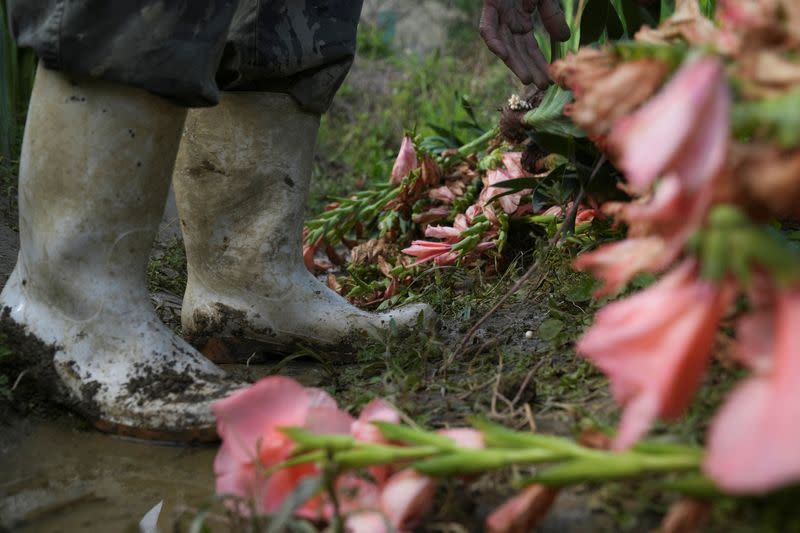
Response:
column 56, row 478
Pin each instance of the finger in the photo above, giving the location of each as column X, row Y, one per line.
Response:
column 489, row 32
column 553, row 19
column 537, row 64
column 517, row 20
column 518, row 62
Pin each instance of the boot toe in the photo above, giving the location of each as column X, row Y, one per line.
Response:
column 412, row 316
column 163, row 410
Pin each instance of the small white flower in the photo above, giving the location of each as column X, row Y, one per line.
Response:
column 515, row 103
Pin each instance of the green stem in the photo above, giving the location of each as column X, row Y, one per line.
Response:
column 475, row 144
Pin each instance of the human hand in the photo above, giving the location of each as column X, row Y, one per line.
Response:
column 507, row 28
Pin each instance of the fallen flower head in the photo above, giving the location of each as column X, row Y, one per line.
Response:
column 249, row 423
column 406, row 161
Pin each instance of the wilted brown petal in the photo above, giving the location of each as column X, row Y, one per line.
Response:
column 765, row 178
column 624, row 89
column 687, row 23
column 579, row 72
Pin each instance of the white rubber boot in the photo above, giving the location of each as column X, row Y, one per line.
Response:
column 241, row 182
column 96, row 163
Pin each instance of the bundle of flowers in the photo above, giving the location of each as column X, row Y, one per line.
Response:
column 701, row 118
column 479, row 196
column 289, row 450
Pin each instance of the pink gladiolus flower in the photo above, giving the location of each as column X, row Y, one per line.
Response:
column 368, row 522
column 406, row 497
column 554, row 211
column 618, row 262
column 448, row 233
column 655, row 346
column 523, row 512
column 465, row 437
column 585, row 215
column 362, row 429
column 513, row 163
column 406, row 161
column 375, row 411
column 752, row 442
column 511, row 169
column 431, row 215
column 683, row 130
column 248, row 422
column 439, row 252
column 442, row 194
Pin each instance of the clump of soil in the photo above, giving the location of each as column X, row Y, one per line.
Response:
column 31, row 383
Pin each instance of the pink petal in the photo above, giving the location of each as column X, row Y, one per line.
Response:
column 443, row 232
column 755, row 340
column 426, row 250
column 616, row 263
column 461, row 222
column 406, row 161
column 367, row 522
column 522, row 512
column 328, row 420
column 689, row 112
column 445, row 259
column 465, row 437
column 513, row 163
column 234, row 477
column 250, row 417
column 585, row 215
column 752, row 442
column 282, row 484
column 406, row 497
column 442, row 194
column 377, row 410
column 472, row 211
column 431, row 215
column 319, row 398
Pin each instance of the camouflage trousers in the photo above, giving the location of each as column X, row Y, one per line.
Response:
column 189, row 50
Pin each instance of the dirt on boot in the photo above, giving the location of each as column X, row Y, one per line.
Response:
column 29, row 384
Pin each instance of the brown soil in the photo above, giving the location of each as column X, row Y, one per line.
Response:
column 28, row 368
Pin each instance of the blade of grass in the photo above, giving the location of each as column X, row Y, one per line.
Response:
column 8, row 87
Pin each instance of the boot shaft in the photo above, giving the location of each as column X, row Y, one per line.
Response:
column 94, row 172
column 241, row 182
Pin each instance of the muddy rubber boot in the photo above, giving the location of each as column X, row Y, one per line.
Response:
column 96, row 163
column 241, row 182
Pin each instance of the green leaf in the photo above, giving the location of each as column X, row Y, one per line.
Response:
column 8, row 87
column 549, row 116
column 598, row 17
column 630, row 15
column 550, row 328
column 777, row 118
column 582, row 291
column 667, row 9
